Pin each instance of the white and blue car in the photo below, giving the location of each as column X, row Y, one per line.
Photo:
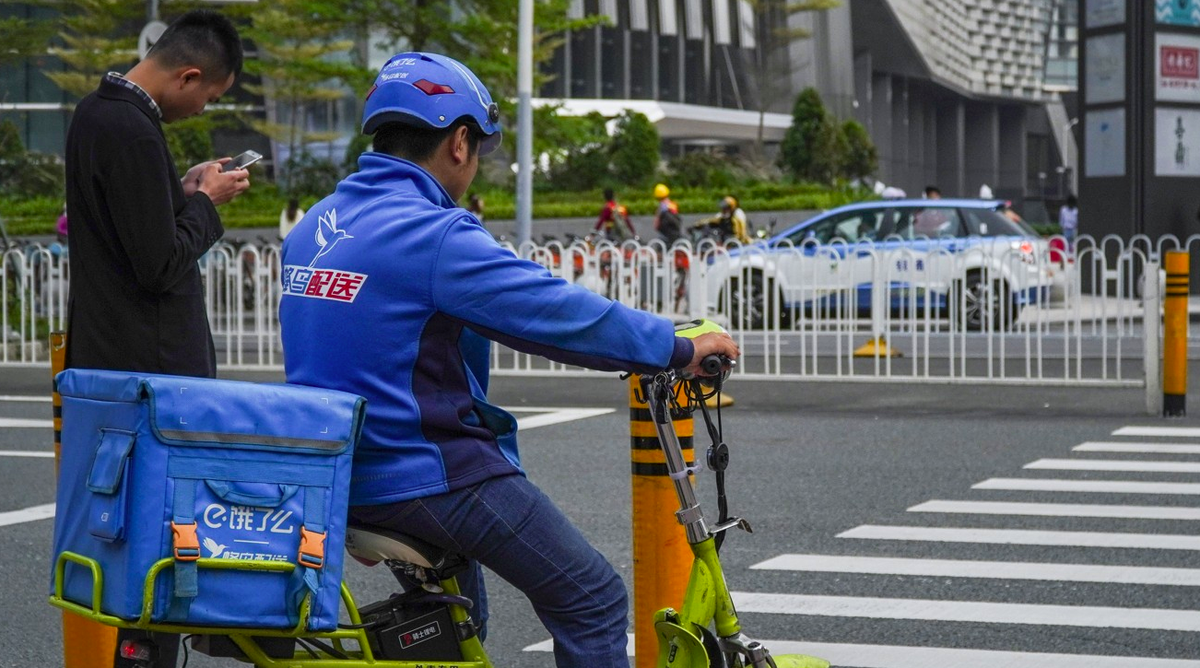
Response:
column 962, row 259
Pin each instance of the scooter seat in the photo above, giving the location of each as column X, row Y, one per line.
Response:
column 372, row 544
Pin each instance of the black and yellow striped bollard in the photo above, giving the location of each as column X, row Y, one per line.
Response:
column 86, row 644
column 1175, row 332
column 661, row 554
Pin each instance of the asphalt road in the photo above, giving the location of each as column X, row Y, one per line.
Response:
column 833, row 477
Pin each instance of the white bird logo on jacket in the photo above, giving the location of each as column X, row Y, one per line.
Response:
column 328, row 234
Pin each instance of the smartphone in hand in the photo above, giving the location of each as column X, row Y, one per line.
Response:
column 242, row 161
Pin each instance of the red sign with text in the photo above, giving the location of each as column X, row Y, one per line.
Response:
column 1178, row 62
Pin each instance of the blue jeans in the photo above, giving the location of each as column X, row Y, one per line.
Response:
column 510, row 526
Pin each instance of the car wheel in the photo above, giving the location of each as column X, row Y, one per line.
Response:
column 984, row 304
column 751, row 308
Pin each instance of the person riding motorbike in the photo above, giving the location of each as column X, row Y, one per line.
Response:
column 666, row 218
column 730, row 222
column 614, row 219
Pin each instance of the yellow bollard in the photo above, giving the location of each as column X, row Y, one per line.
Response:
column 661, row 554
column 1175, row 328
column 86, row 644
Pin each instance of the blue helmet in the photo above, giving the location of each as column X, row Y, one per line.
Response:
column 431, row 91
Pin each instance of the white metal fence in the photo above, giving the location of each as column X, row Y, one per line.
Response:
column 963, row 310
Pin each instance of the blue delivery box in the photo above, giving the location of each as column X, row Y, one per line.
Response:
column 193, row 470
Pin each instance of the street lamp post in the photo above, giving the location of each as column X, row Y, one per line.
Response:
column 1070, row 175
column 524, row 121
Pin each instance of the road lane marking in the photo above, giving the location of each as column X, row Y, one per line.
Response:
column 1114, row 465
column 26, row 398
column 1025, row 537
column 899, row 656
column 1156, row 448
column 1177, row 432
column 544, row 418
column 22, row 423
column 1057, row 510
column 999, row 570
column 26, row 453
column 1103, row 486
column 560, row 415
column 31, row 514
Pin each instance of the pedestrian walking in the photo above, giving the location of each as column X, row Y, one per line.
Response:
column 1068, row 220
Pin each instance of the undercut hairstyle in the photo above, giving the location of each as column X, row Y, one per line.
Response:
column 417, row 144
column 204, row 39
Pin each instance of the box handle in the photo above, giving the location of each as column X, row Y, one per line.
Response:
column 226, row 491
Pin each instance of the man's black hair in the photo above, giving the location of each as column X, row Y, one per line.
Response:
column 418, row 144
column 929, row 190
column 608, row 193
column 201, row 38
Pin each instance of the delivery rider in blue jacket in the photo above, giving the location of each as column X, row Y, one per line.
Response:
column 392, row 291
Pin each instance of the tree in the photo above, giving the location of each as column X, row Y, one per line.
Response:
column 494, row 59
column 576, row 149
column 773, row 64
column 634, row 149
column 95, row 38
column 859, row 157
column 810, row 146
column 297, row 64
column 23, row 38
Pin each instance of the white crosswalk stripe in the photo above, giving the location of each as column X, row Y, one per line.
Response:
column 968, row 611
column 1142, row 541
column 1168, row 432
column 1057, row 509
column 1143, row 447
column 1101, row 486
column 1000, row 570
column 1114, row 465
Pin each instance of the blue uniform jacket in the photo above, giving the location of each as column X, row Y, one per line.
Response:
column 381, row 281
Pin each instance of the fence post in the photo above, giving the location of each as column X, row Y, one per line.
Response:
column 661, row 552
column 86, row 644
column 1175, row 328
column 880, row 303
column 1152, row 330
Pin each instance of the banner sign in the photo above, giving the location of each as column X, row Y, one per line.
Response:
column 1177, row 68
column 1178, row 12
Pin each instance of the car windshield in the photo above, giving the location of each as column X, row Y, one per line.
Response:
column 990, row 223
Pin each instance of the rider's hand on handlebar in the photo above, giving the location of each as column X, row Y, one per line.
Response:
column 713, row 343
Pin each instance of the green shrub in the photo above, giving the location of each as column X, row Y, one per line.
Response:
column 701, row 169
column 190, row 142
column 11, row 146
column 578, row 153
column 634, row 149
column 306, row 175
column 859, row 156
column 809, row 150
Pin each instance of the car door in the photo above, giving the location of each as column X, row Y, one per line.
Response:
column 919, row 256
column 817, row 269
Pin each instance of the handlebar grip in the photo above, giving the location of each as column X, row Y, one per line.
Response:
column 714, row 364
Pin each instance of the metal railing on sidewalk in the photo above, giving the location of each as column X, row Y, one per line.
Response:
column 970, row 310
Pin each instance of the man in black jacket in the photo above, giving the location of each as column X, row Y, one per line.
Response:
column 137, row 229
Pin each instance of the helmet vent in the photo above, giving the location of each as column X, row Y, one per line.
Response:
column 429, row 88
